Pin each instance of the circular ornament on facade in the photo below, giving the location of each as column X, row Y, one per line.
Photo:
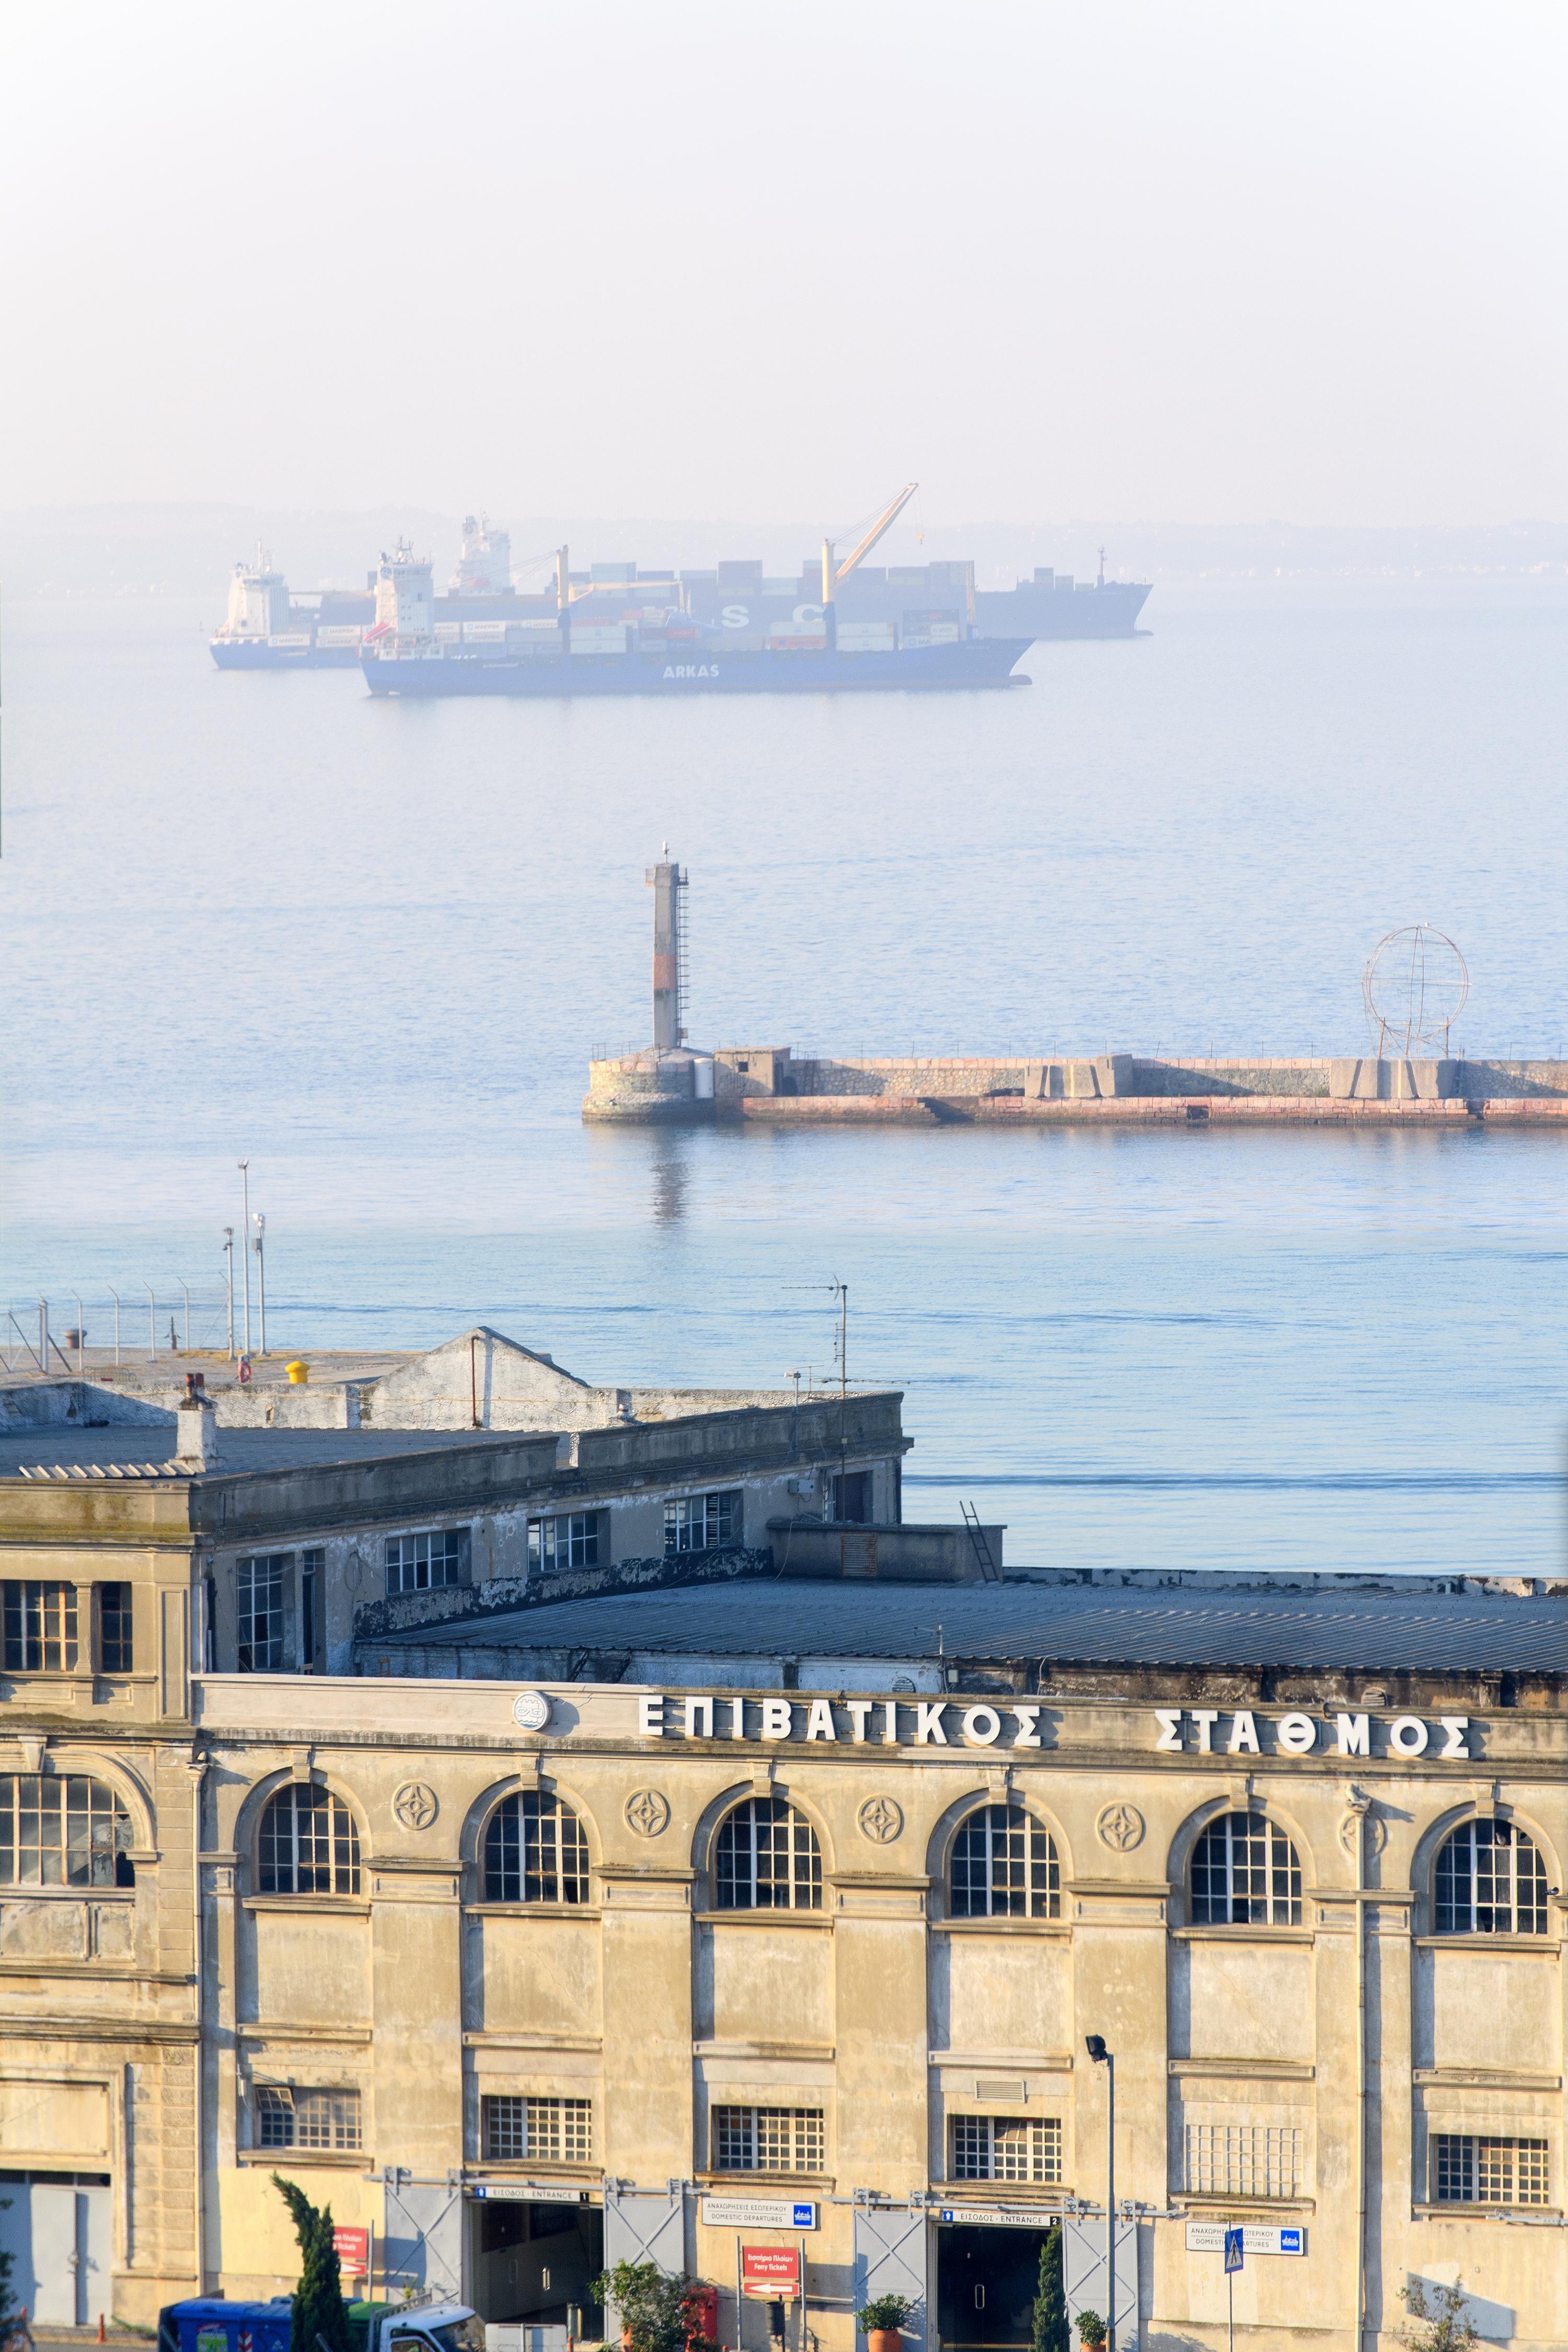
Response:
column 1121, row 1827
column 648, row 1812
column 531, row 1710
column 415, row 1805
column 882, row 1820
column 1376, row 1831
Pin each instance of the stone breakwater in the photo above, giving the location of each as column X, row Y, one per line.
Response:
column 776, row 1086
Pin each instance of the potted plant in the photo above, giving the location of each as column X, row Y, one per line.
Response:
column 1091, row 2330
column 882, row 2320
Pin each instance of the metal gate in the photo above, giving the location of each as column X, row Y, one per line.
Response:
column 59, row 2233
column 643, row 2225
column 422, row 2242
column 1083, row 2274
column 890, row 2259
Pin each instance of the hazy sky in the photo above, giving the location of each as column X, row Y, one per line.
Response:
column 1194, row 259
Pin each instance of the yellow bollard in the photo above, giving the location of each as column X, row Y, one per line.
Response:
column 299, row 1373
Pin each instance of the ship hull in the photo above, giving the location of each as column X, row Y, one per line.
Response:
column 1044, row 616
column 240, row 653
column 980, row 661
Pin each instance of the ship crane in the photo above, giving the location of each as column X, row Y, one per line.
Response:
column 888, row 515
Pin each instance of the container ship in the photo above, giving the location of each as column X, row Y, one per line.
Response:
column 619, row 628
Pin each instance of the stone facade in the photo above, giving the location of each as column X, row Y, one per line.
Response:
column 1286, row 2072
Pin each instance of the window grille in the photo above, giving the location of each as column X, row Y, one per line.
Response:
column 535, row 1852
column 702, row 1522
column 1243, row 2160
column 116, row 1654
column 569, row 1540
column 1246, row 1873
column 309, row 1843
column 290, row 2118
column 769, row 2139
column 1006, row 2147
column 418, row 1563
column 40, row 1627
column 768, row 1859
column 550, row 2131
column 1468, row 2170
column 62, row 1829
column 1490, row 1882
column 1005, row 1866
column 258, row 1612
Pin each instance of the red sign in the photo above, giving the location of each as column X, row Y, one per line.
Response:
column 771, row 2272
column 352, row 2250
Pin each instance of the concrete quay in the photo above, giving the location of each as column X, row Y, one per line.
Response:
column 773, row 1086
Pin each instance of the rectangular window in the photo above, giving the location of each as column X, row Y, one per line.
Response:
column 290, row 2118
column 1243, row 2160
column 550, row 2131
column 115, row 1654
column 572, row 1540
column 313, row 1575
column 258, row 1612
column 1006, row 2147
column 769, row 2139
column 1467, row 2170
column 41, row 1628
column 417, row 1563
column 703, row 1522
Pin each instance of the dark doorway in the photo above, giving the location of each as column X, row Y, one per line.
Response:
column 987, row 2282
column 533, row 2261
column 852, row 1498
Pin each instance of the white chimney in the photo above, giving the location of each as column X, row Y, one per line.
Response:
column 197, row 1445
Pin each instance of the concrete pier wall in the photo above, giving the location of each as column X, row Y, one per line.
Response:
column 776, row 1084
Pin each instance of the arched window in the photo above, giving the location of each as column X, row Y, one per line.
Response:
column 309, row 1844
column 535, row 1852
column 768, row 1859
column 1005, row 1867
column 62, row 1829
column 1245, row 1874
column 1490, row 1882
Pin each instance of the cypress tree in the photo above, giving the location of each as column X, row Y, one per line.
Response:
column 1050, row 2303
column 321, row 2316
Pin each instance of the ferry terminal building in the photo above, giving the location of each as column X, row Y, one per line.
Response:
column 761, row 1913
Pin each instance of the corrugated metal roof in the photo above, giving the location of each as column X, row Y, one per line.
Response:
column 1373, row 1630
column 70, row 1444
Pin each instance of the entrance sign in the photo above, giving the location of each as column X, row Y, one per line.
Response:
column 1209, row 2238
column 771, row 2274
column 529, row 2192
column 999, row 2217
column 1233, row 2253
column 758, row 2214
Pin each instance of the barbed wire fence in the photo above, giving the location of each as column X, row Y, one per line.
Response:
column 64, row 1332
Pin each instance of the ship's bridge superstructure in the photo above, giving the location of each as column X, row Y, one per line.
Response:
column 258, row 600
column 405, row 595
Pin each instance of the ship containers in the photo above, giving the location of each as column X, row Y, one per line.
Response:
column 866, row 637
column 339, row 633
column 600, row 637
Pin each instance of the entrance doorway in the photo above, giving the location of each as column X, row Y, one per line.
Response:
column 58, row 2228
column 531, row 2263
column 987, row 2282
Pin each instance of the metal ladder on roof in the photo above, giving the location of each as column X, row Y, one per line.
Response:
column 989, row 1572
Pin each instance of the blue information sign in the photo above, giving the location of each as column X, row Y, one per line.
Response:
column 1232, row 2250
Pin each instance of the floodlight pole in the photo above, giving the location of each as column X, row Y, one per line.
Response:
column 245, row 1234
column 1095, row 2046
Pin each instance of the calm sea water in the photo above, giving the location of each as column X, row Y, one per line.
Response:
column 370, row 946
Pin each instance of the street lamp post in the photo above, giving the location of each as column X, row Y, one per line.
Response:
column 228, row 1259
column 244, row 1231
column 261, row 1273
column 1095, row 2046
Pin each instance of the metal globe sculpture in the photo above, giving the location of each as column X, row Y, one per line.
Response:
column 1413, row 987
